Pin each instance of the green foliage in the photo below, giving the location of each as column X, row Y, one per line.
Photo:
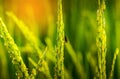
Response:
column 34, row 43
column 72, row 54
column 101, row 43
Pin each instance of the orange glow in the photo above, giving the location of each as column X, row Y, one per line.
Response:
column 29, row 10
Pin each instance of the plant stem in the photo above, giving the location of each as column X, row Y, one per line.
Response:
column 14, row 52
column 59, row 68
column 101, row 40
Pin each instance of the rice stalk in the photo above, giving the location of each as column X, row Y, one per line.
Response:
column 113, row 63
column 59, row 66
column 14, row 52
column 32, row 40
column 43, row 69
column 33, row 73
column 27, row 33
column 101, row 40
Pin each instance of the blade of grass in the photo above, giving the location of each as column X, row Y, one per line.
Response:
column 27, row 33
column 78, row 66
column 3, row 64
column 113, row 63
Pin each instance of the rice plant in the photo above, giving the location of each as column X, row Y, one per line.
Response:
column 59, row 67
column 59, row 39
column 101, row 42
column 14, row 52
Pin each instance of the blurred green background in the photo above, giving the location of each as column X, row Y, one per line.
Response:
column 40, row 16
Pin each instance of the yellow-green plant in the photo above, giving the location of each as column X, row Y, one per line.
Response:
column 14, row 52
column 101, row 40
column 33, row 73
column 34, row 43
column 113, row 63
column 27, row 33
column 101, row 43
column 73, row 55
column 59, row 67
column 3, row 63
